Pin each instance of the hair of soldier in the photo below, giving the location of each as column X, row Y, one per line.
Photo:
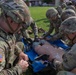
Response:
column 68, row 25
column 51, row 12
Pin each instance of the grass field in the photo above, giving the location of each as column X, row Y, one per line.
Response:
column 39, row 15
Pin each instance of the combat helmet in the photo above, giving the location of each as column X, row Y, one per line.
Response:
column 16, row 9
column 63, row 5
column 51, row 12
column 68, row 25
column 69, row 3
column 71, row 7
column 67, row 13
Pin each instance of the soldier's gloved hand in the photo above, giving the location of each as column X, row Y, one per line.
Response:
column 23, row 64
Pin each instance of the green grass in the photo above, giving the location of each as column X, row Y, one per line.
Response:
column 39, row 15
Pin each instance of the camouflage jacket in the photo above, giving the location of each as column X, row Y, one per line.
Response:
column 57, row 36
column 69, row 59
column 34, row 29
column 59, row 9
column 54, row 25
column 9, row 51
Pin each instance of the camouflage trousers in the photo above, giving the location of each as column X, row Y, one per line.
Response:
column 65, row 73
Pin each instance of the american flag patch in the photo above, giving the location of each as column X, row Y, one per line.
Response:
column 0, row 58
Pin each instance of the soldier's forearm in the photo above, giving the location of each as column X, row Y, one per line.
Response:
column 12, row 71
column 35, row 29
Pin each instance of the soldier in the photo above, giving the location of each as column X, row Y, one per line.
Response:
column 61, row 8
column 55, row 21
column 71, row 7
column 24, row 31
column 14, row 15
column 69, row 3
column 65, row 14
column 34, row 29
column 68, row 27
column 63, row 5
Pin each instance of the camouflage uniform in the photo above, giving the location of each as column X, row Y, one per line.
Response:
column 54, row 24
column 28, row 19
column 34, row 28
column 61, row 8
column 9, row 48
column 68, row 26
column 65, row 14
column 63, row 5
column 9, row 52
column 24, row 31
column 71, row 7
column 69, row 3
column 65, row 73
